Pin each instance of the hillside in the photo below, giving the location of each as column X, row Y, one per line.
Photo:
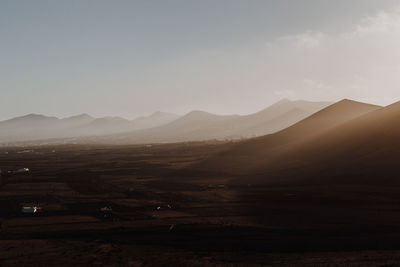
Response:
column 259, row 155
column 364, row 150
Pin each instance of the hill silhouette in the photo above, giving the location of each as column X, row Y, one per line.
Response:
column 364, row 150
column 264, row 154
column 201, row 126
column 38, row 127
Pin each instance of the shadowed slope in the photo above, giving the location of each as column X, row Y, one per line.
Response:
column 366, row 150
column 259, row 153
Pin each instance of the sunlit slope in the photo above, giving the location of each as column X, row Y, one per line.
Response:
column 364, row 150
column 263, row 153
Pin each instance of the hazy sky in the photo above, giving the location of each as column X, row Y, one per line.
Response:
column 132, row 58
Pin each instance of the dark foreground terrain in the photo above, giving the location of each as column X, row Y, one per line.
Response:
column 163, row 216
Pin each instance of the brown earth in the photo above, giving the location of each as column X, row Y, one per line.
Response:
column 211, row 220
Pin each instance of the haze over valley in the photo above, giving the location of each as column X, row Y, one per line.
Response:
column 37, row 127
column 160, row 127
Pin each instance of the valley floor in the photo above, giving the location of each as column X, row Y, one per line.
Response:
column 162, row 216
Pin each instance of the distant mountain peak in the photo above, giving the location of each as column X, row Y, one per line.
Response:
column 161, row 113
column 81, row 116
column 32, row 116
column 198, row 112
column 84, row 115
column 283, row 101
column 347, row 101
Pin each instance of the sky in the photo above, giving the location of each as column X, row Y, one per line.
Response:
column 132, row 58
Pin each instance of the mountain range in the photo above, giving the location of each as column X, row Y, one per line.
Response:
column 201, row 126
column 159, row 127
column 309, row 142
column 39, row 127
